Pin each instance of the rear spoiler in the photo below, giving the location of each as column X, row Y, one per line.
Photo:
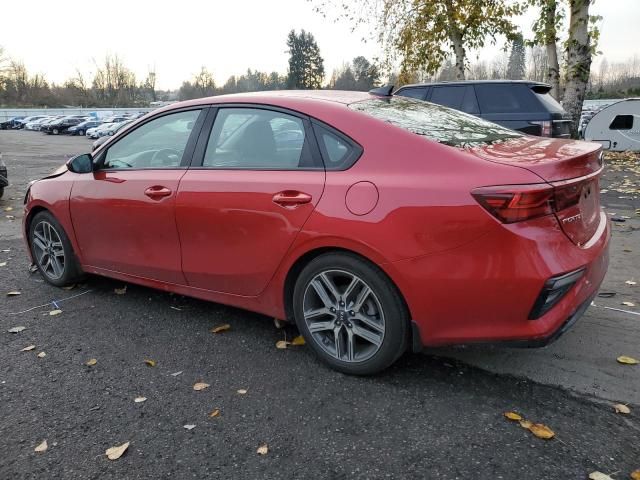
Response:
column 384, row 91
column 541, row 88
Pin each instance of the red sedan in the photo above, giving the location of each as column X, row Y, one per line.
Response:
column 377, row 223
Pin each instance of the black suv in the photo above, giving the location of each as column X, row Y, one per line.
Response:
column 517, row 104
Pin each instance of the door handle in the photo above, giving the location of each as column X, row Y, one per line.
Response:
column 291, row 198
column 157, row 191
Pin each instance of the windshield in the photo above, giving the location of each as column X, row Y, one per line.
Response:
column 435, row 122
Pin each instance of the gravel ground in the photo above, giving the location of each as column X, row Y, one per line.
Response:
column 429, row 416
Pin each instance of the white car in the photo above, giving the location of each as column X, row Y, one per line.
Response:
column 96, row 131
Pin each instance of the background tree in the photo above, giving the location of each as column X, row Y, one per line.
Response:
column 367, row 75
column 306, row 66
column 517, row 59
column 424, row 32
column 545, row 28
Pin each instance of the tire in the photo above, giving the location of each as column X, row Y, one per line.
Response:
column 376, row 326
column 1, row 191
column 80, row 132
column 62, row 268
column 55, row 131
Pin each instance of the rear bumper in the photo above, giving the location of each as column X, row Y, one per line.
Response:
column 484, row 292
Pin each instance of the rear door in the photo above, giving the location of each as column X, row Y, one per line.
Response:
column 255, row 179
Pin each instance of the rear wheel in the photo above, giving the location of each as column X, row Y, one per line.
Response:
column 52, row 251
column 55, row 131
column 80, row 132
column 350, row 314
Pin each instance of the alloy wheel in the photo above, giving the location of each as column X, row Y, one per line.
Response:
column 48, row 250
column 344, row 315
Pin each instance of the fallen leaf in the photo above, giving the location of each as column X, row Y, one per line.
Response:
column 10, row 217
column 526, row 424
column 42, row 447
column 279, row 323
column 3, row 264
column 220, row 328
column 69, row 287
column 175, row 374
column 120, row 291
column 115, row 453
column 627, row 360
column 512, row 416
column 200, row 386
column 297, row 341
column 42, row 355
column 621, row 408
column 149, row 362
column 541, row 431
column 215, row 413
column 631, row 282
column 13, row 293
column 140, row 399
column 91, row 362
column 263, row 449
column 28, row 349
column 242, row 391
column 627, row 250
column 282, row 344
column 629, row 304
column 189, row 427
column 635, row 475
column 16, row 329
column 8, row 209
column 599, row 476
column 55, row 312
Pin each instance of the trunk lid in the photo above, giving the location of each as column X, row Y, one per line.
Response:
column 571, row 167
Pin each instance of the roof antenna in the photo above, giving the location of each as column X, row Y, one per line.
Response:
column 384, row 91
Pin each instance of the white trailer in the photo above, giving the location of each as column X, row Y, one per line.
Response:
column 616, row 126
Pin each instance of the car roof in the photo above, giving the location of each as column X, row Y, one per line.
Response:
column 285, row 98
column 473, row 82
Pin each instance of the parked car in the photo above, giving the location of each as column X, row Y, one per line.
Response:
column 108, row 133
column 10, row 123
column 4, row 178
column 96, row 132
column 396, row 223
column 82, row 127
column 39, row 125
column 61, row 125
column 517, row 104
column 20, row 124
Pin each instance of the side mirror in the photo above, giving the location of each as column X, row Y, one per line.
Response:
column 80, row 164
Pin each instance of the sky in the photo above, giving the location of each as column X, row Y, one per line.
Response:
column 177, row 38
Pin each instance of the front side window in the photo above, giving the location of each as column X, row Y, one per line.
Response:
column 253, row 138
column 159, row 143
column 622, row 122
column 435, row 122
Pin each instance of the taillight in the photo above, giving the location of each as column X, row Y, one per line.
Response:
column 516, row 203
column 546, row 128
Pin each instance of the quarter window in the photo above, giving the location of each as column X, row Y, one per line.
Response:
column 622, row 122
column 448, row 96
column 253, row 138
column 159, row 143
column 418, row 93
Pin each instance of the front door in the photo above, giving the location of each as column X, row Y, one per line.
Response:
column 124, row 213
column 240, row 208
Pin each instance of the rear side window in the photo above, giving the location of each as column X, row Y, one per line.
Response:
column 622, row 122
column 448, row 96
column 418, row 93
column 506, row 98
column 257, row 139
column 338, row 152
column 435, row 122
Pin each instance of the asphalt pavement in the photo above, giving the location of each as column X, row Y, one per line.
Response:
column 436, row 415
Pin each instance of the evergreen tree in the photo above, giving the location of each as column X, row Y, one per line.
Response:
column 517, row 61
column 306, row 66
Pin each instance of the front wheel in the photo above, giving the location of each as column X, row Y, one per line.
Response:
column 52, row 251
column 350, row 314
column 81, row 132
column 55, row 131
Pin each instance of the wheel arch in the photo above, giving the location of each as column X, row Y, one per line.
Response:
column 304, row 259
